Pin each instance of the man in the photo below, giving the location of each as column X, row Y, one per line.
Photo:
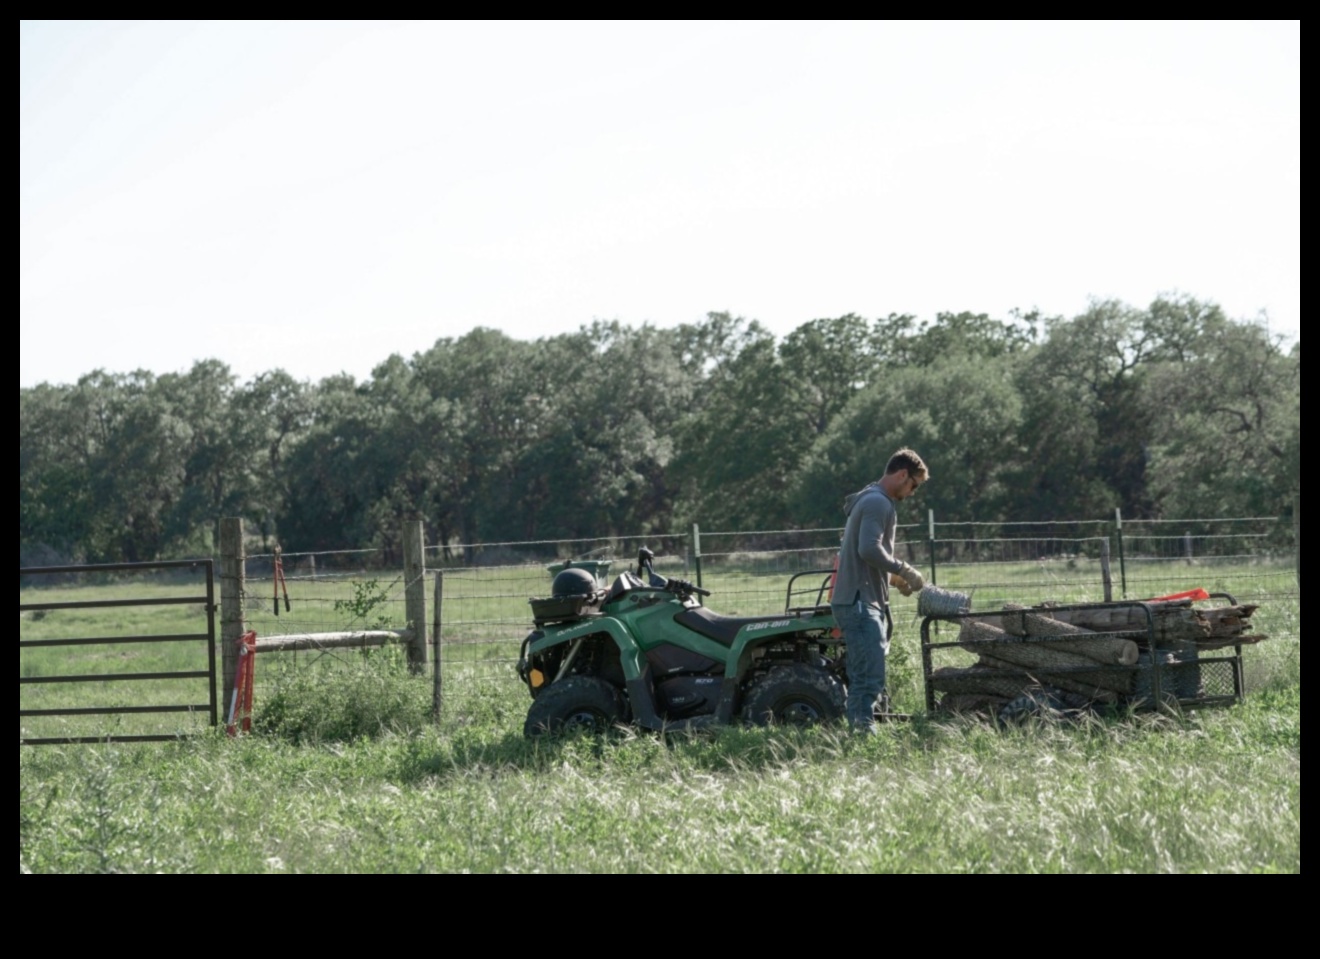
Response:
column 867, row 568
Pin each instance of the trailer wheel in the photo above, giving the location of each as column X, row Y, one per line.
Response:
column 575, row 703
column 795, row 695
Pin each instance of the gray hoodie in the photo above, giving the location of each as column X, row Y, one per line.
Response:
column 866, row 555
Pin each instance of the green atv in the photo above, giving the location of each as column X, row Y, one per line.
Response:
column 645, row 651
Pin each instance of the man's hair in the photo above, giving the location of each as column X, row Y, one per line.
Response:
column 906, row 459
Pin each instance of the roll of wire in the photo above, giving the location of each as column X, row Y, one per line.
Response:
column 938, row 602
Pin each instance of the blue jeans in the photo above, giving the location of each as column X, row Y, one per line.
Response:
column 867, row 641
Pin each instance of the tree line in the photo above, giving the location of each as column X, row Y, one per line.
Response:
column 1174, row 410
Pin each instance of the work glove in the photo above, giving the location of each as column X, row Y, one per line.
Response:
column 900, row 584
column 915, row 580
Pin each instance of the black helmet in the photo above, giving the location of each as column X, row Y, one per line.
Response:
column 573, row 582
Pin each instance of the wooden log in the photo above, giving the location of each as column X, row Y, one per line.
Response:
column 359, row 638
column 999, row 681
column 1104, row 686
column 977, row 681
column 1219, row 642
column 1229, row 620
column 1174, row 621
column 977, row 631
column 1107, row 650
column 1042, row 654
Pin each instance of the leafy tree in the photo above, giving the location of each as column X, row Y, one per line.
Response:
column 1169, row 410
column 962, row 415
column 271, row 415
column 215, row 459
column 331, row 475
column 1088, row 419
column 962, row 334
column 1228, row 440
column 611, row 399
column 54, row 479
column 739, row 449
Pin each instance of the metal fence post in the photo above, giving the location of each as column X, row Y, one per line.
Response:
column 435, row 638
column 232, row 588
column 930, row 518
column 696, row 550
column 414, row 593
column 1106, row 575
column 1122, row 562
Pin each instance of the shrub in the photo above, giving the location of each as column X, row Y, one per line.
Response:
column 366, row 694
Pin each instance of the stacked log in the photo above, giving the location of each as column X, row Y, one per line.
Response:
column 1043, row 663
column 1089, row 652
column 977, row 681
column 1176, row 622
column 1110, row 650
column 1229, row 626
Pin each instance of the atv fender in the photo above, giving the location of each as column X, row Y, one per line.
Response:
column 757, row 634
column 630, row 654
column 636, row 669
column 740, row 659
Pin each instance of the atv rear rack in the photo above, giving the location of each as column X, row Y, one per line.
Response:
column 822, row 592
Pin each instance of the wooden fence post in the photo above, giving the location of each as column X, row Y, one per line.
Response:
column 232, row 590
column 414, row 592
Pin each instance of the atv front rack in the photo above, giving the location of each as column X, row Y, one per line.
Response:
column 564, row 609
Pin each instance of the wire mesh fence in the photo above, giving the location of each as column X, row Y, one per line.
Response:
column 482, row 607
column 484, row 612
column 350, row 591
column 478, row 610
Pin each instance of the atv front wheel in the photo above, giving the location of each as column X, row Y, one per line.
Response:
column 575, row 703
column 795, row 695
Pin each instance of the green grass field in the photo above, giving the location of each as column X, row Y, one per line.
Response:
column 347, row 771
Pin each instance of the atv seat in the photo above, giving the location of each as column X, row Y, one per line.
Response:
column 722, row 629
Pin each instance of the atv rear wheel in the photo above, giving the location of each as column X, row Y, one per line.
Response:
column 795, row 695
column 576, row 703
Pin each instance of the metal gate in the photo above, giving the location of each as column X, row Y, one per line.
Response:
column 169, row 679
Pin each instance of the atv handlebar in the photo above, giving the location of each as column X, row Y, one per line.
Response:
column 683, row 586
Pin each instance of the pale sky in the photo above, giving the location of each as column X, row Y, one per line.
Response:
column 316, row 196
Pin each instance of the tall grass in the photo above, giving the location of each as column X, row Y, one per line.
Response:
column 346, row 772
column 1216, row 791
column 366, row 694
